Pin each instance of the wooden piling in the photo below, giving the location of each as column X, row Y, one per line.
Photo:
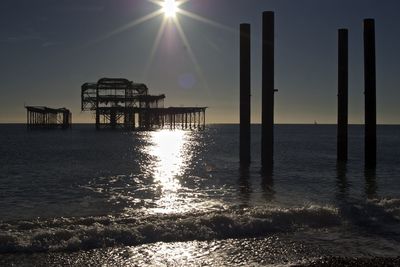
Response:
column 245, row 94
column 370, row 93
column 343, row 70
column 268, row 72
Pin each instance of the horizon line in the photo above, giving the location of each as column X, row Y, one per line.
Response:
column 233, row 123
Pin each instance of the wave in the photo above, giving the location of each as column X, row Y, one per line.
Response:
column 390, row 205
column 72, row 234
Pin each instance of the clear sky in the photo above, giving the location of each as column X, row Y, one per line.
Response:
column 49, row 48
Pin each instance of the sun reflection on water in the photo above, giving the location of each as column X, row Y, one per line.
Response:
column 170, row 159
column 170, row 177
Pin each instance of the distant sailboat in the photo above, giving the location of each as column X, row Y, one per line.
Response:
column 315, row 123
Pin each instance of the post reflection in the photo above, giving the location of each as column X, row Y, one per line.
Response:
column 342, row 183
column 371, row 186
column 244, row 185
column 267, row 184
column 245, row 188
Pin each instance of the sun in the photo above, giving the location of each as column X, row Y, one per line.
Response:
column 172, row 12
column 170, row 7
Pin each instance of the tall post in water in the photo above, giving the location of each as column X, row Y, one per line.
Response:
column 370, row 93
column 267, row 128
column 245, row 84
column 343, row 76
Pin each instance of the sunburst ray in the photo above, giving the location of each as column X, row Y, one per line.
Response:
column 205, row 20
column 190, row 52
column 127, row 26
column 154, row 48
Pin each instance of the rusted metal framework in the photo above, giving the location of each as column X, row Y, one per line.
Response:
column 40, row 117
column 120, row 103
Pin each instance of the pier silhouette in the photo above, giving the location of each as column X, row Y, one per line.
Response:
column 343, row 95
column 268, row 91
column 370, row 93
column 245, row 94
column 120, row 103
column 41, row 117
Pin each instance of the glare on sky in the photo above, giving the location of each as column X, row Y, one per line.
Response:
column 170, row 8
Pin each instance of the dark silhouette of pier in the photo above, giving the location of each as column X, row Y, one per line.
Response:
column 120, row 103
column 343, row 78
column 371, row 186
column 268, row 91
column 245, row 93
column 370, row 93
column 40, row 117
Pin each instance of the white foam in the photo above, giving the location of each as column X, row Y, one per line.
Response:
column 69, row 234
column 390, row 205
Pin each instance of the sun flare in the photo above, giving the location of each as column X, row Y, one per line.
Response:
column 170, row 8
column 173, row 12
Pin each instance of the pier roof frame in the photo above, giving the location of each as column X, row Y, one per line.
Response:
column 44, row 109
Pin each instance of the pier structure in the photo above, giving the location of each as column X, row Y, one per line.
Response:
column 343, row 77
column 245, row 94
column 120, row 103
column 40, row 117
column 370, row 93
column 268, row 90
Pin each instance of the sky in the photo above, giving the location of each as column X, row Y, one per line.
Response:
column 49, row 48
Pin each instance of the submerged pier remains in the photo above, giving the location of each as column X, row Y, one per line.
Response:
column 370, row 93
column 245, row 94
column 123, row 104
column 40, row 117
column 268, row 90
column 343, row 95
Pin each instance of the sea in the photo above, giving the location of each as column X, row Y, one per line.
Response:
column 82, row 197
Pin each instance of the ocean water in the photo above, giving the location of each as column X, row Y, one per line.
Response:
column 165, row 198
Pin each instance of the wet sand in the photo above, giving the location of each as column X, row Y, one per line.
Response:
column 270, row 251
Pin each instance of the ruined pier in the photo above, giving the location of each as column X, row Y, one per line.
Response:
column 40, row 117
column 123, row 104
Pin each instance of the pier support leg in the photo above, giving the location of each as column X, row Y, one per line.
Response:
column 113, row 119
column 370, row 93
column 204, row 119
column 268, row 72
column 182, row 118
column 97, row 119
column 342, row 127
column 133, row 121
column 245, row 84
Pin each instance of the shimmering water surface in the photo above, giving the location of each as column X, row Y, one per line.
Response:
column 179, row 197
